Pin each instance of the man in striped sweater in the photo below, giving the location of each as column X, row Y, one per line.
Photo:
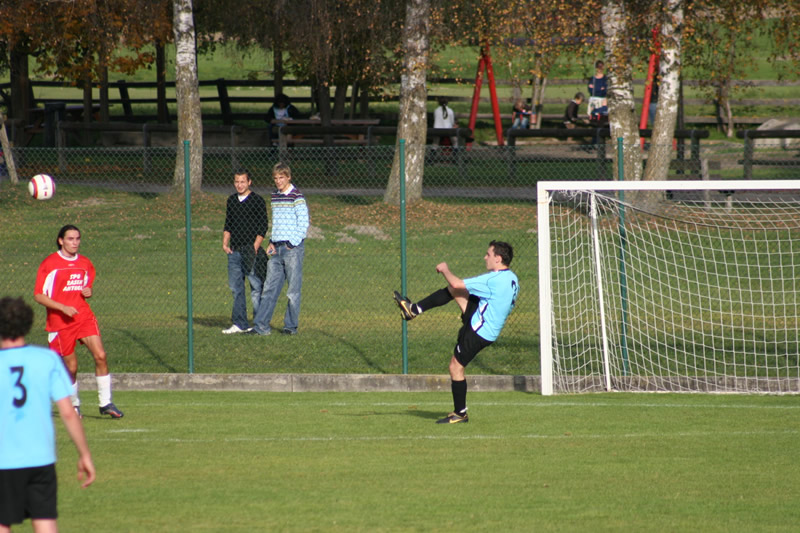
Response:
column 286, row 247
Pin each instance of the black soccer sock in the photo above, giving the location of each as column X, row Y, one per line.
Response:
column 459, row 389
column 436, row 299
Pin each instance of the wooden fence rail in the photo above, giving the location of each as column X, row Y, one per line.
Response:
column 749, row 161
column 225, row 88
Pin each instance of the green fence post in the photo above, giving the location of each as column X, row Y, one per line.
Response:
column 403, row 271
column 623, row 278
column 187, row 194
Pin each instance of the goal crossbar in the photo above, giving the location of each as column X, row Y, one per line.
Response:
column 676, row 185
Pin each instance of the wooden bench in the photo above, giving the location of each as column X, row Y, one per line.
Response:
column 342, row 138
column 44, row 119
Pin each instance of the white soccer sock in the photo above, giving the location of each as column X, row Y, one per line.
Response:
column 76, row 400
column 104, row 389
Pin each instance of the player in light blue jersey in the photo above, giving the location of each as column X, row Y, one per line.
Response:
column 31, row 378
column 485, row 302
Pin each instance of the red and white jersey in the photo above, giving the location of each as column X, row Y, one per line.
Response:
column 62, row 279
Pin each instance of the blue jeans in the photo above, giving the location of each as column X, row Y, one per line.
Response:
column 236, row 274
column 285, row 265
column 520, row 123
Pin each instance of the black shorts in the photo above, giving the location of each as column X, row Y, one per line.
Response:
column 28, row 493
column 469, row 343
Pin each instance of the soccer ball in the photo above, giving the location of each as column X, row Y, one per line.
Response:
column 42, row 187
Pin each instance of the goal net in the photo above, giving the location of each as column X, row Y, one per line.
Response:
column 670, row 286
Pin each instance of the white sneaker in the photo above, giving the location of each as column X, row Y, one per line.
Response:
column 234, row 329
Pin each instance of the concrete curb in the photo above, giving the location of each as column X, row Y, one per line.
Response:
column 310, row 382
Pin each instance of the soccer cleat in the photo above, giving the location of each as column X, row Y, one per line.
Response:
column 78, row 410
column 235, row 329
column 405, row 305
column 454, row 418
column 111, row 410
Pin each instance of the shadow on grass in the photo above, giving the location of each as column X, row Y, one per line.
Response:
column 428, row 415
column 370, row 363
column 209, row 321
column 149, row 350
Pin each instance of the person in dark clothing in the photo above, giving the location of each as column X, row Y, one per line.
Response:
column 245, row 227
column 571, row 115
column 598, row 87
column 281, row 110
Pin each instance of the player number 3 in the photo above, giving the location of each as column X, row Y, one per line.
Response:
column 19, row 402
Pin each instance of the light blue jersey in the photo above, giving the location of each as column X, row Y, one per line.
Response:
column 31, row 379
column 497, row 292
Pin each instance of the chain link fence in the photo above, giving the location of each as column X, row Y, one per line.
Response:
column 133, row 228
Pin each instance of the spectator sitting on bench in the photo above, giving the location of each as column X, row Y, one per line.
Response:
column 520, row 115
column 571, row 115
column 282, row 109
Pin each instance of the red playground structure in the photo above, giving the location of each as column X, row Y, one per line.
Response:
column 485, row 63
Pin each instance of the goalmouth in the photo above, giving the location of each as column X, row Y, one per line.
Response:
column 678, row 286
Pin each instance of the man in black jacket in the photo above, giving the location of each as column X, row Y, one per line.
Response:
column 245, row 227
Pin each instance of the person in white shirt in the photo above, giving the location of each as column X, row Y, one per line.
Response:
column 444, row 117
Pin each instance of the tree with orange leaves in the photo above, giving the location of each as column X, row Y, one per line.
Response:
column 79, row 41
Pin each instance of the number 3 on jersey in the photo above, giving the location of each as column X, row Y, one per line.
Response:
column 23, row 392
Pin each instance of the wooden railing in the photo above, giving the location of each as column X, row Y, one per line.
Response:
column 225, row 88
column 749, row 161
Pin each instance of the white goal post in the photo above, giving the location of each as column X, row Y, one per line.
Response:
column 679, row 286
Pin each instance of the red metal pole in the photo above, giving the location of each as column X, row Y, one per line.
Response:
column 652, row 70
column 498, row 125
column 476, row 96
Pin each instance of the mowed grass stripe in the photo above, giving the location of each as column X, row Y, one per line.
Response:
column 464, row 437
column 255, row 461
column 540, row 404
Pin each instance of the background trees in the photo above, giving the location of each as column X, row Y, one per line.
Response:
column 78, row 42
column 533, row 36
column 337, row 44
column 333, row 44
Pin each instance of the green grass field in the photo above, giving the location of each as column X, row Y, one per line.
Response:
column 349, row 322
column 213, row 461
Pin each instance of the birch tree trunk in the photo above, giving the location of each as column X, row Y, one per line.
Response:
column 621, row 109
column 413, row 123
column 190, row 122
column 730, row 128
column 660, row 153
column 537, row 97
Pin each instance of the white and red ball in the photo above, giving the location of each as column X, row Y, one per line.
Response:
column 42, row 187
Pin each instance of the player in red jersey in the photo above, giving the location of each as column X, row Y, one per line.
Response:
column 63, row 283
